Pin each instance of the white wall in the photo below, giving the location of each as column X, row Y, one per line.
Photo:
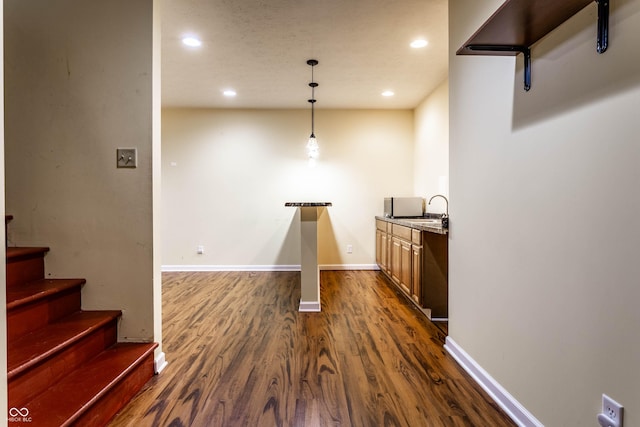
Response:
column 156, row 184
column 3, row 279
column 431, row 158
column 78, row 80
column 228, row 173
column 545, row 204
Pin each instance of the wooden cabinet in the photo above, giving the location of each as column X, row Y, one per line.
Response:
column 386, row 252
column 383, row 246
column 395, row 260
column 401, row 256
column 401, row 263
column 395, row 256
column 416, row 266
column 416, row 273
column 417, row 262
column 435, row 274
column 379, row 247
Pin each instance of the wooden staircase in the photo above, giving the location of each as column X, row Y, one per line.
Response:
column 65, row 366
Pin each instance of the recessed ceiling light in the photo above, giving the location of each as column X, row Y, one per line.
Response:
column 230, row 93
column 191, row 41
column 388, row 93
column 416, row 44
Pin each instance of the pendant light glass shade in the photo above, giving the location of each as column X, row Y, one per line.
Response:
column 313, row 150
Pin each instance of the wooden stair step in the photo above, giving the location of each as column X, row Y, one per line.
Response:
column 39, row 289
column 24, row 264
column 39, row 360
column 35, row 304
column 15, row 253
column 96, row 391
column 63, row 364
column 33, row 348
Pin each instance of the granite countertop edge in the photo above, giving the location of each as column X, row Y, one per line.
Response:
column 307, row 204
column 407, row 222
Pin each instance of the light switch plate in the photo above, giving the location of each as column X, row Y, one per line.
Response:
column 127, row 157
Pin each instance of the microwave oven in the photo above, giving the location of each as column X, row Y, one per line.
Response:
column 403, row 207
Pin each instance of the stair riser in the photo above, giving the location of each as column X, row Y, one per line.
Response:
column 39, row 313
column 24, row 270
column 29, row 384
column 117, row 398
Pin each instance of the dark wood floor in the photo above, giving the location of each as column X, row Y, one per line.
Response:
column 240, row 354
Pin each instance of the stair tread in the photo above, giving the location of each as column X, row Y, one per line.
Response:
column 65, row 401
column 15, row 253
column 20, row 295
column 36, row 346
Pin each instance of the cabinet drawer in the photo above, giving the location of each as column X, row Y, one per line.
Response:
column 401, row 231
column 381, row 225
column 416, row 237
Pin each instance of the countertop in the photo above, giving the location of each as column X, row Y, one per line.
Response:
column 307, row 204
column 417, row 223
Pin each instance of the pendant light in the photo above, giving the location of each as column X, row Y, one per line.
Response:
column 312, row 146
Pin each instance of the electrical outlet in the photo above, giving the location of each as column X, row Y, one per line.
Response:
column 200, row 249
column 349, row 249
column 612, row 411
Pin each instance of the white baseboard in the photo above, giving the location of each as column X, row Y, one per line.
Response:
column 176, row 268
column 348, row 267
column 309, row 306
column 506, row 401
column 159, row 363
column 168, row 268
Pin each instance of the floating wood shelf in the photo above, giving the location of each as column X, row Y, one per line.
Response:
column 518, row 24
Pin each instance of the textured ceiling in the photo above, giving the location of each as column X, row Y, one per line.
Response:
column 260, row 49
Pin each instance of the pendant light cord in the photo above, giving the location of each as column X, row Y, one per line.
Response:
column 313, row 102
column 313, row 85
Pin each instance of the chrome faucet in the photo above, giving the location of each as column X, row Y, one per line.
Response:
column 445, row 199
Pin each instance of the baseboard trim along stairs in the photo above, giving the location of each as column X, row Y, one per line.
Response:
column 160, row 363
column 502, row 397
column 64, row 364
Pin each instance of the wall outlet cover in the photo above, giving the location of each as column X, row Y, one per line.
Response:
column 127, row 157
column 612, row 412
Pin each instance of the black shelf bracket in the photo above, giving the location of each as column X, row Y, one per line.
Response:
column 506, row 48
column 603, row 25
column 498, row 49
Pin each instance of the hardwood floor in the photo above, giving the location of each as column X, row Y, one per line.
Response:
column 240, row 354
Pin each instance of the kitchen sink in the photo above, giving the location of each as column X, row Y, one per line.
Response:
column 434, row 222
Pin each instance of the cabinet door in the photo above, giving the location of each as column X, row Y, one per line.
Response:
column 385, row 252
column 396, row 254
column 379, row 248
column 406, row 257
column 416, row 277
column 383, row 248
